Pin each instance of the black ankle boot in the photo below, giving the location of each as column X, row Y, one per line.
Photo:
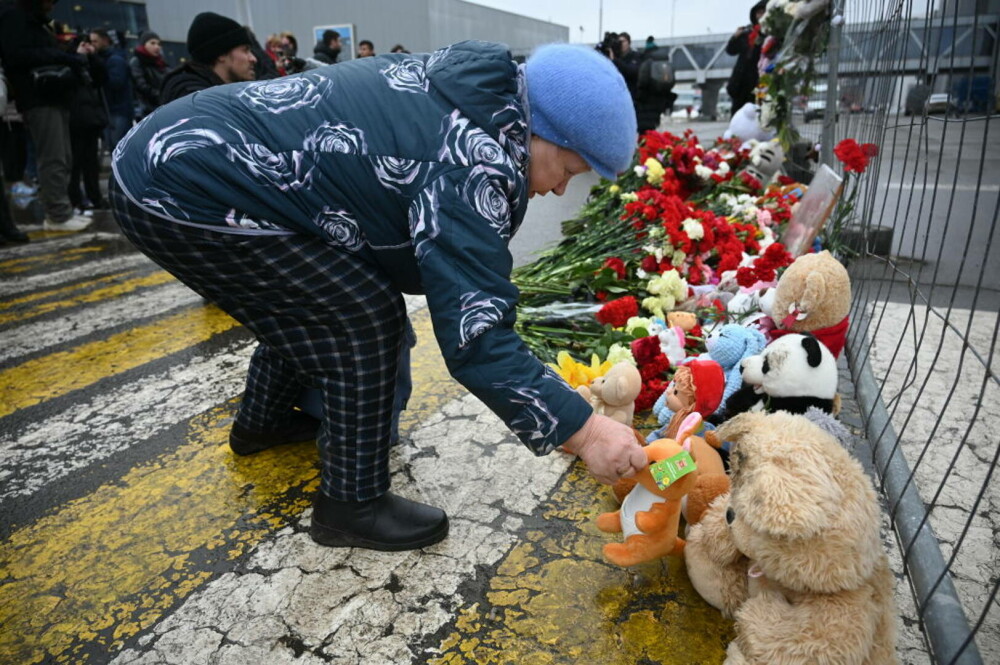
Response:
column 389, row 523
column 301, row 427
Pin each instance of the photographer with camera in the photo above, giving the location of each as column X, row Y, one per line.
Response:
column 617, row 47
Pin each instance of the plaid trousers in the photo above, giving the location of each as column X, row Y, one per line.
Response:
column 324, row 318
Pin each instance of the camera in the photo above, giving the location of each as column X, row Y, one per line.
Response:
column 611, row 45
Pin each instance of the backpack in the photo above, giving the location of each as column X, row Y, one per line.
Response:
column 656, row 76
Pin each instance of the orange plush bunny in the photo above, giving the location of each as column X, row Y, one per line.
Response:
column 650, row 514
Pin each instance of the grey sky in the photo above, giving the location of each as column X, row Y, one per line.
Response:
column 639, row 18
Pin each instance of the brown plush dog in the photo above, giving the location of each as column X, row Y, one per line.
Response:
column 814, row 295
column 793, row 552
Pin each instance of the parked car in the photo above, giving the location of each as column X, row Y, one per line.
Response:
column 939, row 102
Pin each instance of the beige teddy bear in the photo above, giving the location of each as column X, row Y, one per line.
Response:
column 814, row 295
column 613, row 394
column 793, row 551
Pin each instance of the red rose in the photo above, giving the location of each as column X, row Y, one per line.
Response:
column 618, row 312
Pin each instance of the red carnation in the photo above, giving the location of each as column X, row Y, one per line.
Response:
column 618, row 312
column 870, row 149
column 750, row 181
column 746, row 277
column 655, row 368
column 852, row 155
column 645, row 349
column 615, row 264
column 650, row 264
column 650, row 392
column 785, row 180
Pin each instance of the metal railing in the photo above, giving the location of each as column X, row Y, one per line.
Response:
column 925, row 274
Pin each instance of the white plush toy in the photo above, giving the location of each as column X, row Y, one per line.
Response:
column 744, row 125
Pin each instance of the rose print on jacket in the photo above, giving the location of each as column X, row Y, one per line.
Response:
column 397, row 173
column 339, row 137
column 341, row 228
column 178, row 138
column 535, row 425
column 241, row 220
column 284, row 94
column 465, row 144
column 482, row 192
column 479, row 313
column 424, row 227
column 287, row 171
column 406, row 76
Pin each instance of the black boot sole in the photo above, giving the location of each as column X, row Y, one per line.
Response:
column 328, row 537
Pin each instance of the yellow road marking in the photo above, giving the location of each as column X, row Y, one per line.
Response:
column 60, row 373
column 26, row 263
column 52, row 293
column 555, row 600
column 108, row 565
column 96, row 295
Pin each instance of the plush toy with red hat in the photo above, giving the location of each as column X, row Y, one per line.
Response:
column 697, row 387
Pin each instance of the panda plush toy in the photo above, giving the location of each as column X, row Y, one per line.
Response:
column 792, row 373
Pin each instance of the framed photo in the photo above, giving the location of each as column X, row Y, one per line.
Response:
column 346, row 31
column 813, row 210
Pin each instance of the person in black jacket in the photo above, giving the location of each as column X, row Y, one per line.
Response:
column 117, row 86
column 88, row 118
column 221, row 53
column 654, row 88
column 43, row 96
column 745, row 45
column 147, row 69
column 327, row 50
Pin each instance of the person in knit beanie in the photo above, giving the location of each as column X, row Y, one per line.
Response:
column 221, row 52
column 147, row 69
column 306, row 206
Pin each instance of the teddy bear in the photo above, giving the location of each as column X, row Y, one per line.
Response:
column 814, row 295
column 792, row 373
column 793, row 551
column 613, row 394
column 650, row 515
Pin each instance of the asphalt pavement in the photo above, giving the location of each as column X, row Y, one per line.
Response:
column 129, row 534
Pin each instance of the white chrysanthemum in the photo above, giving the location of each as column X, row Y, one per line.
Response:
column 619, row 353
column 703, row 172
column 723, row 168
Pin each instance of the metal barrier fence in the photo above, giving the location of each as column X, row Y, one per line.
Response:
column 926, row 279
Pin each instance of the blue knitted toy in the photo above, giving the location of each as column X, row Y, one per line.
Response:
column 728, row 347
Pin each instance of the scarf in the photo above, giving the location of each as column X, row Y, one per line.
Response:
column 157, row 60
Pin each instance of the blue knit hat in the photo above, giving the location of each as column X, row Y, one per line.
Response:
column 579, row 101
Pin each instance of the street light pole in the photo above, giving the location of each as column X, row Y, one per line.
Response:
column 600, row 20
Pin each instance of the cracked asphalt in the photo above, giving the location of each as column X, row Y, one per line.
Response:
column 129, row 534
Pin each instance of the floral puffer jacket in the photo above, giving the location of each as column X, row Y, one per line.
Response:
column 416, row 162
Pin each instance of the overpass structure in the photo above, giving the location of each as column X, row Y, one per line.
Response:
column 937, row 51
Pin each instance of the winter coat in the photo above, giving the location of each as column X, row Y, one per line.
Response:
column 189, row 77
column 325, row 54
column 117, row 82
column 743, row 80
column 27, row 42
column 417, row 163
column 652, row 98
column 88, row 111
column 147, row 73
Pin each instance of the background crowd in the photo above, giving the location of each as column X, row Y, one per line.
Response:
column 74, row 93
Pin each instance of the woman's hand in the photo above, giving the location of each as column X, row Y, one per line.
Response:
column 609, row 449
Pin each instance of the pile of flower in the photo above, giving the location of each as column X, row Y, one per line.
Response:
column 685, row 229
